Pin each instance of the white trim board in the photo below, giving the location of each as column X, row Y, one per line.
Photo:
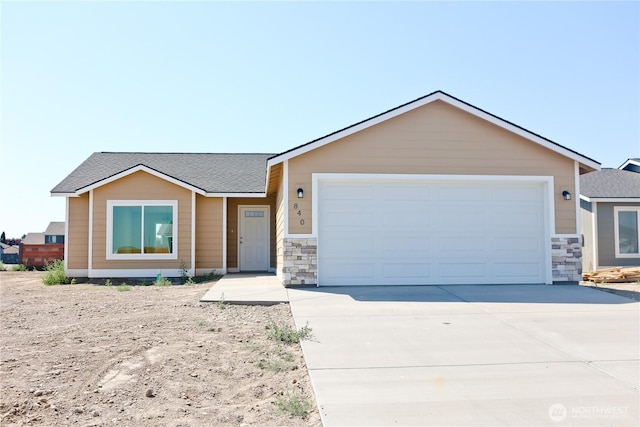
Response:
column 436, row 96
column 611, row 199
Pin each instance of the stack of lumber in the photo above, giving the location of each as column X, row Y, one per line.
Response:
column 613, row 275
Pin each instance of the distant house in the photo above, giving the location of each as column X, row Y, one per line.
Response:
column 9, row 254
column 610, row 216
column 54, row 233
column 38, row 249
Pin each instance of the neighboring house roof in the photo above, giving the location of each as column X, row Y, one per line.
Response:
column 632, row 165
column 33, row 239
column 202, row 172
column 427, row 99
column 3, row 245
column 610, row 184
column 55, row 229
column 12, row 250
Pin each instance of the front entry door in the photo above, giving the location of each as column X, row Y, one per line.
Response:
column 254, row 238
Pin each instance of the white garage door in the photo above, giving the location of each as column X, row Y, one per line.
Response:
column 430, row 232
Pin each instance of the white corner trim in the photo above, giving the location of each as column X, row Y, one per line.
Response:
column 90, row 252
column 224, row 233
column 193, row 234
column 594, row 229
column 135, row 169
column 285, row 197
column 66, row 234
column 436, row 96
column 576, row 190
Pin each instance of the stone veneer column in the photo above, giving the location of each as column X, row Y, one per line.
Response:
column 566, row 253
column 300, row 261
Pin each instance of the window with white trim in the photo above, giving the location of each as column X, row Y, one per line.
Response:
column 142, row 229
column 627, row 231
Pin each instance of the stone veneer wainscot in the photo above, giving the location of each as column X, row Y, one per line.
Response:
column 566, row 253
column 300, row 261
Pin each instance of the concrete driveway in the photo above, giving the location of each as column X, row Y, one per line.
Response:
column 516, row 355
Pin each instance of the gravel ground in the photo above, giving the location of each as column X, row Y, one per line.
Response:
column 628, row 290
column 91, row 355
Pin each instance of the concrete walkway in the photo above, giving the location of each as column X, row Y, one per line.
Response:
column 258, row 289
column 471, row 355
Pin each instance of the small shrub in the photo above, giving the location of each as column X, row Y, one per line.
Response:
column 108, row 282
column 20, row 267
column 162, row 281
column 221, row 305
column 54, row 274
column 286, row 334
column 74, row 281
column 293, row 404
column 123, row 288
column 272, row 365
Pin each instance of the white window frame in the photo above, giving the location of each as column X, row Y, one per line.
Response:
column 142, row 256
column 617, row 209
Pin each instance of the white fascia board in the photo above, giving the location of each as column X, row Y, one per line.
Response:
column 629, row 162
column 138, row 169
column 438, row 96
column 65, row 195
column 247, row 195
column 611, row 199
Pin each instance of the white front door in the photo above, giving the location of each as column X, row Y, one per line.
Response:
column 254, row 238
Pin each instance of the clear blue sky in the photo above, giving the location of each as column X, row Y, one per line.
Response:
column 80, row 77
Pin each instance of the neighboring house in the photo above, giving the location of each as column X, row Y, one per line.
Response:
column 54, row 233
column 610, row 202
column 38, row 249
column 435, row 191
column 9, row 254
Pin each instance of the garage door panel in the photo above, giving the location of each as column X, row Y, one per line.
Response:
column 399, row 273
column 406, row 247
column 456, row 269
column 406, row 193
column 517, row 246
column 517, row 270
column 458, row 193
column 431, row 232
column 349, row 192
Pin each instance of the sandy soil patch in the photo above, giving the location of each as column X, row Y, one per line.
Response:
column 92, row 355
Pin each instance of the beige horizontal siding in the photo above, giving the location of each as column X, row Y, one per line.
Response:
column 77, row 241
column 434, row 139
column 208, row 232
column 140, row 186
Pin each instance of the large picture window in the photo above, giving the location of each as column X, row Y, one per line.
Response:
column 627, row 231
column 142, row 229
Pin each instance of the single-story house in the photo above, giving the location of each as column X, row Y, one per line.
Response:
column 434, row 191
column 610, row 210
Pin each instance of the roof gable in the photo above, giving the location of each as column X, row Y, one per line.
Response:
column 204, row 173
column 427, row 99
column 632, row 165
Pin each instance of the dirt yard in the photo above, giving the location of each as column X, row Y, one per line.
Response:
column 91, row 355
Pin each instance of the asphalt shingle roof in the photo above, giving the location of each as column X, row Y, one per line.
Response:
column 610, row 183
column 55, row 229
column 210, row 172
